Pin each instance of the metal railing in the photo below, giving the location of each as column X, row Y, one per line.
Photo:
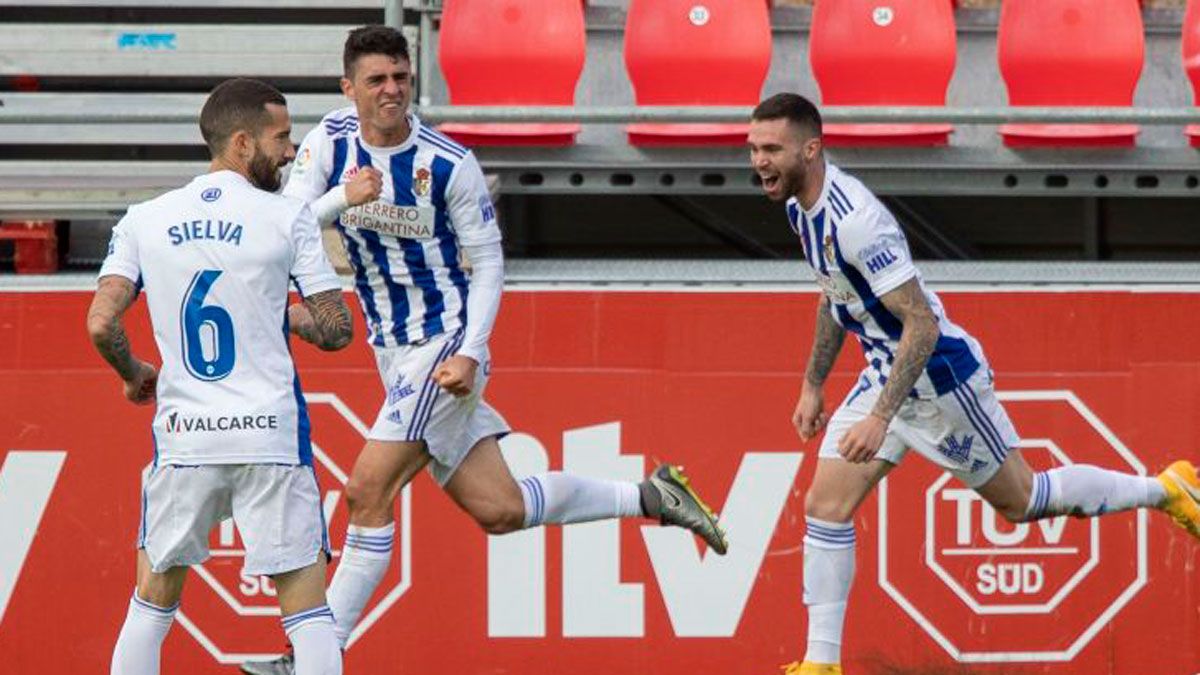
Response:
column 832, row 114
column 773, row 275
column 28, row 111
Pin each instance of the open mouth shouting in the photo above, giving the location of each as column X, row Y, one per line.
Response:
column 772, row 184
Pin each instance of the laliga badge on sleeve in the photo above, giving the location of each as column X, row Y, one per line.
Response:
column 302, row 161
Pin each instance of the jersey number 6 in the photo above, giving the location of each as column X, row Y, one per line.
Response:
column 206, row 329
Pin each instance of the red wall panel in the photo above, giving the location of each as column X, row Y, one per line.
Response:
column 707, row 379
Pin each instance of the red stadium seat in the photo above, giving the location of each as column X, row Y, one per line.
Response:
column 696, row 52
column 512, row 52
column 1070, row 52
column 35, row 249
column 898, row 53
column 1191, row 59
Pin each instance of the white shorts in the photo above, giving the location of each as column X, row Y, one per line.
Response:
column 965, row 431
column 417, row 409
column 276, row 508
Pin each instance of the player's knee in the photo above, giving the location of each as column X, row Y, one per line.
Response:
column 497, row 518
column 1012, row 511
column 828, row 506
column 159, row 595
column 366, row 498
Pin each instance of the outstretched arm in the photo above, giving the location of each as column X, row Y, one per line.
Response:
column 114, row 295
column 323, row 320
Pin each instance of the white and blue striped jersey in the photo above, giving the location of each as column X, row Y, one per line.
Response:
column 404, row 248
column 216, row 259
column 858, row 253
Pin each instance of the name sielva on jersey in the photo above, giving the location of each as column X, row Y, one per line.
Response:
column 219, row 230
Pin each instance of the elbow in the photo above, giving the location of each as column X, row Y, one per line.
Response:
column 929, row 332
column 921, row 330
column 336, row 345
column 337, row 341
column 98, row 328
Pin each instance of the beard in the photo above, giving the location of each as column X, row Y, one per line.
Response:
column 790, row 184
column 264, row 172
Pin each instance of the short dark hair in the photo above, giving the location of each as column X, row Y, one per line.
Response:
column 239, row 104
column 373, row 39
column 792, row 107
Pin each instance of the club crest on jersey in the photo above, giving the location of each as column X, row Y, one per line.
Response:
column 421, row 182
column 828, row 247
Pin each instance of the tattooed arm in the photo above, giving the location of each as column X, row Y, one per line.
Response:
column 917, row 340
column 323, row 320
column 827, row 343
column 114, row 295
column 809, row 416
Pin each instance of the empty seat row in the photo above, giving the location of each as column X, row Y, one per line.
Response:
column 863, row 52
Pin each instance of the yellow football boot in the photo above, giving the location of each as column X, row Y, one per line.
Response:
column 809, row 668
column 1183, row 495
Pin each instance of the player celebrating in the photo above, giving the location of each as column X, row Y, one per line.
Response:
column 926, row 385
column 409, row 203
column 231, row 429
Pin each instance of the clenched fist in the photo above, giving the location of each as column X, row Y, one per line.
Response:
column 141, row 389
column 365, row 186
column 809, row 417
column 456, row 374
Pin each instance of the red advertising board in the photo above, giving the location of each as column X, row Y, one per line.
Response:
column 607, row 384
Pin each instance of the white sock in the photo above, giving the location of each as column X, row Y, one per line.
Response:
column 365, row 559
column 1082, row 490
column 139, row 645
column 828, row 571
column 314, row 642
column 562, row 498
